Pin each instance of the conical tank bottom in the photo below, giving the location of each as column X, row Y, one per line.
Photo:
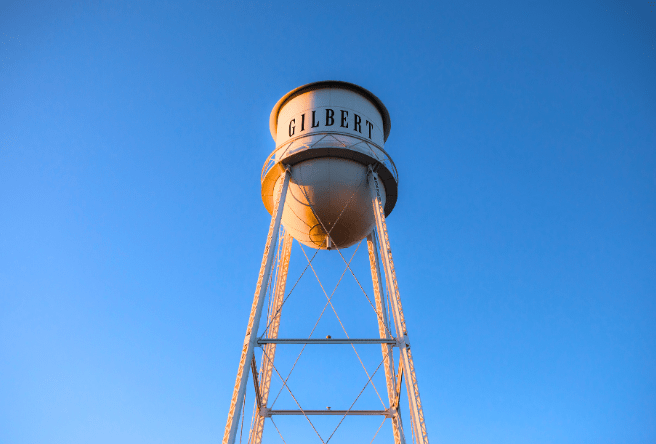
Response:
column 328, row 195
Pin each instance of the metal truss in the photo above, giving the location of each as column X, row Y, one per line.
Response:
column 386, row 347
column 416, row 411
column 386, row 413
column 256, row 312
column 327, row 341
column 262, row 391
column 377, row 242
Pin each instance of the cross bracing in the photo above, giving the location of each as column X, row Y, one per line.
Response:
column 304, row 303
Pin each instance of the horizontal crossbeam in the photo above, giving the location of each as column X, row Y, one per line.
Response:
column 326, row 341
column 329, row 412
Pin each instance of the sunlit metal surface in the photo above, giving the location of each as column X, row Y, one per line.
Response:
column 331, row 184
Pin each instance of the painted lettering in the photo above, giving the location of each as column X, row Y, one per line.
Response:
column 292, row 127
column 344, row 123
column 330, row 117
column 330, row 121
column 370, row 125
column 356, row 124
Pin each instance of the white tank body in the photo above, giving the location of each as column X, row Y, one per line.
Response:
column 328, row 134
column 328, row 194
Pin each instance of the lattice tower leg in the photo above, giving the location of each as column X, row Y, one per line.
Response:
column 270, row 349
column 239, row 391
column 387, row 350
column 416, row 411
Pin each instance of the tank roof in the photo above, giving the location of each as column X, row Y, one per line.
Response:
column 273, row 120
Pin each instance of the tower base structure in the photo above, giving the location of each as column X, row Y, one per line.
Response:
column 392, row 331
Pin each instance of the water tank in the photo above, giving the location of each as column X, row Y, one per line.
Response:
column 329, row 133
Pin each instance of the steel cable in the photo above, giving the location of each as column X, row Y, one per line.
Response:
column 315, row 324
column 338, row 249
column 288, row 295
column 280, row 434
column 356, row 399
column 292, row 395
column 342, row 325
column 379, row 427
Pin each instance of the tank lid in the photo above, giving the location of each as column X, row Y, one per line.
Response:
column 273, row 120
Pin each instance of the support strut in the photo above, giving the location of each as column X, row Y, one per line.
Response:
column 386, row 348
column 416, row 411
column 239, row 391
column 270, row 347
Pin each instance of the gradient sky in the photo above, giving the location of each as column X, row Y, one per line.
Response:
column 132, row 136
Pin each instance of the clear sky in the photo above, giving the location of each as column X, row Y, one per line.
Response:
column 132, row 136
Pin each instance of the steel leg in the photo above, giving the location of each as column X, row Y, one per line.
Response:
column 256, row 312
column 412, row 387
column 387, row 350
column 270, row 348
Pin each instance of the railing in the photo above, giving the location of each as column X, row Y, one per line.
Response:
column 344, row 141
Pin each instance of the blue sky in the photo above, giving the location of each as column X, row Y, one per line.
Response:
column 132, row 137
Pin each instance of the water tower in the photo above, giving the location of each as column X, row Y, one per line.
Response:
column 330, row 184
